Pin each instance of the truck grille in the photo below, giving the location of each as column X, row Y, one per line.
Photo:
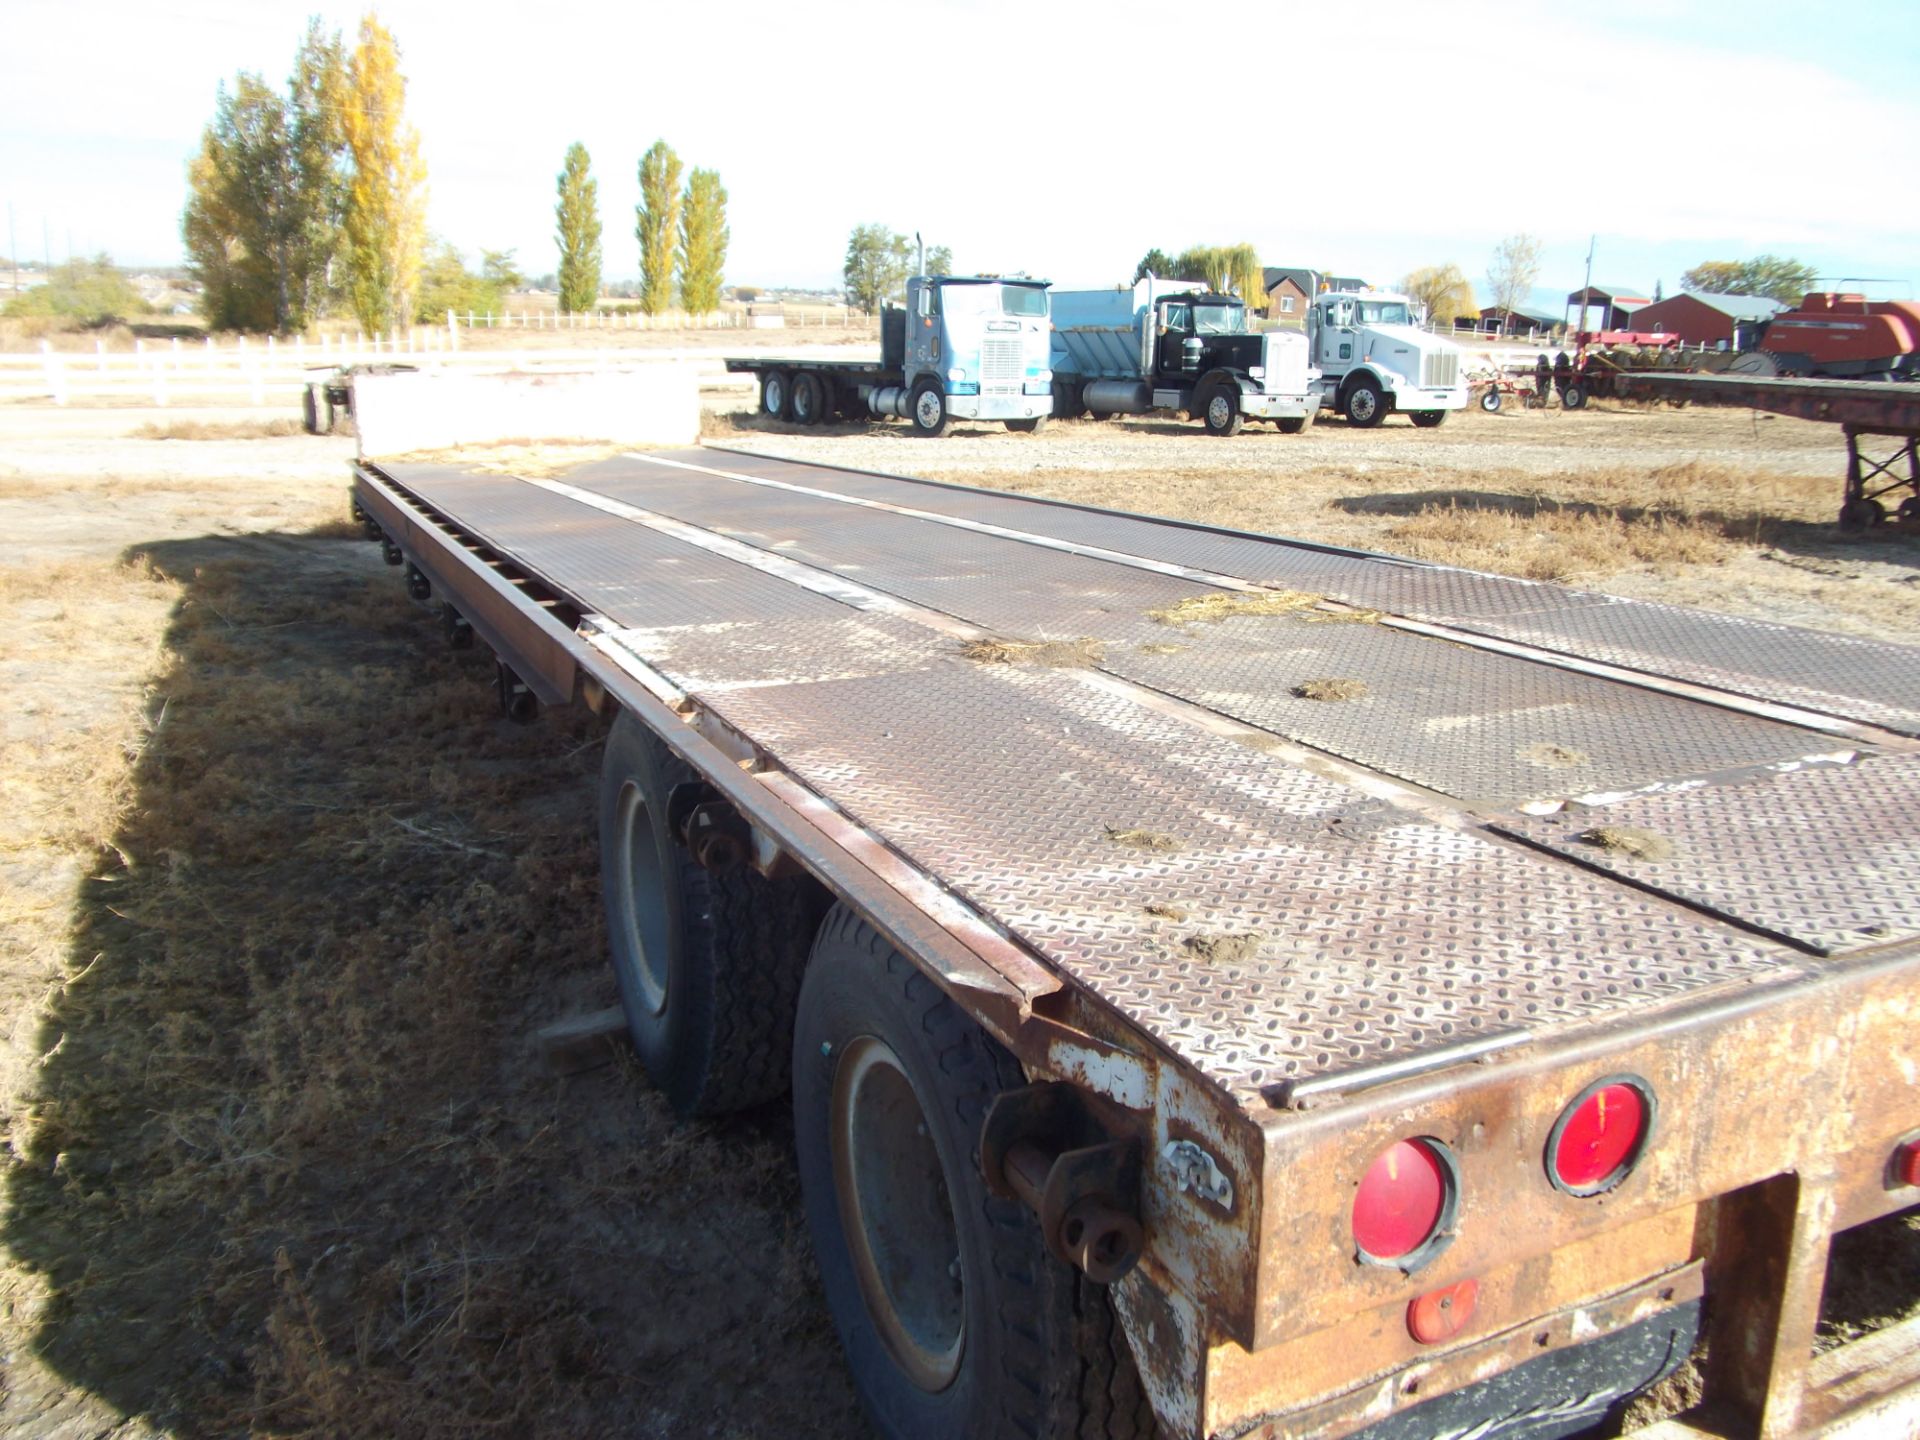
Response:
column 1001, row 372
column 1441, row 370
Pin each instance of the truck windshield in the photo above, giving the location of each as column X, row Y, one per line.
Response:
column 1384, row 312
column 1219, row 320
column 993, row 300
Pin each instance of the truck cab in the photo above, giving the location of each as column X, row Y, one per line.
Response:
column 973, row 347
column 1374, row 358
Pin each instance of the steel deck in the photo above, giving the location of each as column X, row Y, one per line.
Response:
column 1335, row 884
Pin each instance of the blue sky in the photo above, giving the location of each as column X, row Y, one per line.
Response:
column 1030, row 136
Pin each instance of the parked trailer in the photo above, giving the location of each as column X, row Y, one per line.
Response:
column 1424, row 1024
column 1162, row 345
column 966, row 347
column 1881, row 489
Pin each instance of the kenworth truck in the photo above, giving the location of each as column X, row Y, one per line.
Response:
column 965, row 347
column 1228, row 983
column 1162, row 345
column 1374, row 358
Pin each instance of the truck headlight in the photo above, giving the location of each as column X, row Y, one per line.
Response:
column 1257, row 372
column 956, row 372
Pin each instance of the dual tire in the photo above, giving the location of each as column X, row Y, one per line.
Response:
column 955, row 1319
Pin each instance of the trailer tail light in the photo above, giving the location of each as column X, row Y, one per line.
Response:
column 1403, row 1211
column 1906, row 1163
column 1599, row 1138
column 1440, row 1315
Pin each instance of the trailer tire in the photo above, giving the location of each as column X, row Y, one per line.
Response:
column 708, row 962
column 1366, row 403
column 1218, row 407
column 1428, row 419
column 1574, row 397
column 1291, row 424
column 887, row 1070
column 776, row 394
column 1490, row 402
column 809, row 399
column 928, row 409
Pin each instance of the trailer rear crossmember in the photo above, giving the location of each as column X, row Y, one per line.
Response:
column 1073, row 765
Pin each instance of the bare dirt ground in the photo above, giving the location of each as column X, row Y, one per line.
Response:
column 284, row 900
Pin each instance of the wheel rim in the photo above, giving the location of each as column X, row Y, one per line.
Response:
column 896, row 1214
column 927, row 409
column 639, row 885
column 803, row 402
column 776, row 395
column 1361, row 406
column 1219, row 412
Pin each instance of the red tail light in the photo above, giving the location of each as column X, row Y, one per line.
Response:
column 1599, row 1138
column 1906, row 1163
column 1405, row 1205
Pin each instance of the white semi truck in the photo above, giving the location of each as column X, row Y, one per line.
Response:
column 1374, row 358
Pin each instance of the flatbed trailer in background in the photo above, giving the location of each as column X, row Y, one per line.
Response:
column 1879, row 488
column 1305, row 992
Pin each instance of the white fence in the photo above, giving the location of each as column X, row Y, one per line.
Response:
column 274, row 372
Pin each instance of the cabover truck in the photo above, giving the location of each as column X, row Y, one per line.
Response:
column 1162, row 345
column 965, row 347
column 1374, row 358
column 1229, row 983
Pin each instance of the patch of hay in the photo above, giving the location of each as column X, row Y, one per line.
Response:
column 1146, row 840
column 1224, row 949
column 1163, row 911
column 1056, row 653
column 1331, row 689
column 1554, row 757
column 1629, row 840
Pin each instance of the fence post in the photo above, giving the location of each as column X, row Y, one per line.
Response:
column 100, row 356
column 56, row 377
column 453, row 329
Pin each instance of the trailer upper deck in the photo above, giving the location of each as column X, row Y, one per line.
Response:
column 1531, row 809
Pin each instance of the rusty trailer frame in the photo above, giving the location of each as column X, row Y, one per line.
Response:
column 1401, row 938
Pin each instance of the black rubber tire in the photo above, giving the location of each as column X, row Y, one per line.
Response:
column 1222, row 418
column 809, row 403
column 1043, row 1356
column 1428, row 419
column 1032, row 425
column 735, row 944
column 930, row 388
column 1574, row 397
column 776, row 395
column 1291, row 424
column 1858, row 515
column 1490, row 402
column 1372, row 410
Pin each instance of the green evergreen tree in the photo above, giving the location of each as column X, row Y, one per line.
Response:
column 703, row 242
column 577, row 228
column 656, row 224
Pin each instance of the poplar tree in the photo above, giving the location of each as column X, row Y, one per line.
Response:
column 386, row 200
column 317, row 144
column 657, row 221
column 577, row 228
column 703, row 242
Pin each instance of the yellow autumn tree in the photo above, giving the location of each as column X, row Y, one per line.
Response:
column 386, row 219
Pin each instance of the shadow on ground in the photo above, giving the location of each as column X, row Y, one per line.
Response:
column 293, row 1166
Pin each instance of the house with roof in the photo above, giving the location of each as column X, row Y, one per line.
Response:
column 1498, row 320
column 1290, row 290
column 1702, row 319
column 1609, row 307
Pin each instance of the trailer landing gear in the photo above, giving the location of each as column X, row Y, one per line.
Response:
column 1875, row 484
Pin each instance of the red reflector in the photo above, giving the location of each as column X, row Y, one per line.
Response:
column 1400, row 1200
column 1906, row 1163
column 1442, row 1314
column 1599, row 1138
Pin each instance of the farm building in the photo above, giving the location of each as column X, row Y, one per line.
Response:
column 1495, row 320
column 1702, row 319
column 1609, row 307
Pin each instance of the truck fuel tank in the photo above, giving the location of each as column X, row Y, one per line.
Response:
column 1117, row 397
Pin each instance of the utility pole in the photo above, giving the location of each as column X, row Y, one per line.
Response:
column 1585, row 291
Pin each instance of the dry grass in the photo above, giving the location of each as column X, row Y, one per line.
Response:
column 1218, row 605
column 1145, row 840
column 218, row 430
column 1550, row 756
column 1161, row 910
column 1628, row 840
column 281, row 1160
column 1057, row 654
column 1223, row 949
column 1554, row 543
column 1332, row 689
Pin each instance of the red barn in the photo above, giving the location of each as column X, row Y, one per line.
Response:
column 1701, row 319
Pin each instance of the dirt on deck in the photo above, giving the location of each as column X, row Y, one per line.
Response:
column 286, row 899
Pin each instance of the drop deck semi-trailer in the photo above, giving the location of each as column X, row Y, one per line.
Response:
column 1296, row 991
column 965, row 347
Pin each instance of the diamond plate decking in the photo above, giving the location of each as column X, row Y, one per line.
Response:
column 1320, row 927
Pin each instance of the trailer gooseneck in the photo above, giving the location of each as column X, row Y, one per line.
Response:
column 1246, row 986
